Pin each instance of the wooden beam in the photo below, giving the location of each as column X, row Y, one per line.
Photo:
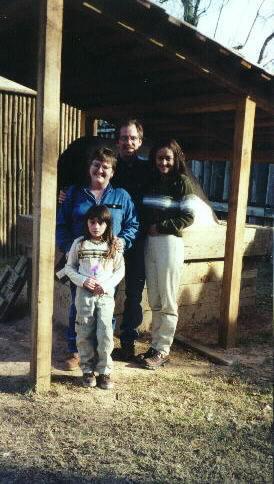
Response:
column 47, row 140
column 243, row 136
column 180, row 105
column 206, row 351
column 207, row 154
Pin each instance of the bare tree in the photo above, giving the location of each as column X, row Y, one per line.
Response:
column 265, row 44
column 192, row 10
column 241, row 46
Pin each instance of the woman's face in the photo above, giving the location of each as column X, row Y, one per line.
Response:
column 100, row 173
column 165, row 160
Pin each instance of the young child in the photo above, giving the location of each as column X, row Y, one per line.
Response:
column 174, row 202
column 95, row 266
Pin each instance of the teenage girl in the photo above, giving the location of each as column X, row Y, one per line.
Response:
column 174, row 202
column 96, row 267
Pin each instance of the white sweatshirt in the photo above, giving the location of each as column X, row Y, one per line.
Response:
column 88, row 259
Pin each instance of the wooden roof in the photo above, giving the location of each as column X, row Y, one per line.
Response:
column 129, row 58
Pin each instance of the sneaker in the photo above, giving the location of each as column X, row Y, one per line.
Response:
column 142, row 356
column 125, row 353
column 89, row 380
column 155, row 360
column 104, row 382
column 72, row 362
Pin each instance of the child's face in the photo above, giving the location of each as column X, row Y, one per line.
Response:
column 96, row 228
column 165, row 160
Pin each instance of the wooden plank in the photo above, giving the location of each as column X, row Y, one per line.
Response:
column 47, row 143
column 212, row 355
column 202, row 271
column 257, row 241
column 243, row 137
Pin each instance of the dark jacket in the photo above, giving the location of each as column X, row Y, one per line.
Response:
column 134, row 176
column 157, row 207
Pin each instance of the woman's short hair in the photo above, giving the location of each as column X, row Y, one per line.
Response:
column 101, row 154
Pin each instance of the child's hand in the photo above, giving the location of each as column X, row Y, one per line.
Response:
column 98, row 290
column 90, row 284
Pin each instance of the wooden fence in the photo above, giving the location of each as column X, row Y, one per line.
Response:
column 214, row 177
column 17, row 159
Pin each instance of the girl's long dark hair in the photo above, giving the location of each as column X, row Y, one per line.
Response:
column 180, row 166
column 103, row 214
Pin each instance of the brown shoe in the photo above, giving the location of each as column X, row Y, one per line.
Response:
column 72, row 362
column 89, row 380
column 143, row 356
column 104, row 382
column 155, row 360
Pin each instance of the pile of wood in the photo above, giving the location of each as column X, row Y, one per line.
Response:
column 12, row 281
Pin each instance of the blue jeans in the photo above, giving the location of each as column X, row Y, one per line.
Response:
column 70, row 331
column 134, row 285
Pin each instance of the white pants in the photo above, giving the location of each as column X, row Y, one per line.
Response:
column 164, row 258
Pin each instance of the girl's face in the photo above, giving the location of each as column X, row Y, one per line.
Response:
column 96, row 228
column 100, row 173
column 165, row 160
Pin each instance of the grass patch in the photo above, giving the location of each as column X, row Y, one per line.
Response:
column 161, row 427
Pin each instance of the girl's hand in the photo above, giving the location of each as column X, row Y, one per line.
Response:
column 119, row 244
column 153, row 230
column 90, row 284
column 98, row 290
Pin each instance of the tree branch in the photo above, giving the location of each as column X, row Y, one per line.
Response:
column 266, row 42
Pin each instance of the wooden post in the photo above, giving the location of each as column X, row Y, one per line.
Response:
column 83, row 124
column 47, row 138
column 94, row 127
column 243, row 135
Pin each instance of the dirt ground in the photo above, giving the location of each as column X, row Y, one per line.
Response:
column 191, row 421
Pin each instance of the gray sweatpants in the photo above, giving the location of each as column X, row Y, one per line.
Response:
column 94, row 331
column 164, row 257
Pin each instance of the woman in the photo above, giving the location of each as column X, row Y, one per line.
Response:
column 71, row 218
column 174, row 202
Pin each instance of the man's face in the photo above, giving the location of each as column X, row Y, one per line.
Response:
column 129, row 141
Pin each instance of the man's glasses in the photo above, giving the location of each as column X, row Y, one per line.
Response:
column 129, row 138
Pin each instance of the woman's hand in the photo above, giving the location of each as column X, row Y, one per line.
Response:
column 90, row 284
column 153, row 230
column 119, row 244
column 62, row 196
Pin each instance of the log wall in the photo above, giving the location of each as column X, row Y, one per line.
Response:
column 17, row 159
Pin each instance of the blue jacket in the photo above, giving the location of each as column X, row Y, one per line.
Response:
column 71, row 215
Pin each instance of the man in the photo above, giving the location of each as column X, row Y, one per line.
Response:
column 132, row 174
